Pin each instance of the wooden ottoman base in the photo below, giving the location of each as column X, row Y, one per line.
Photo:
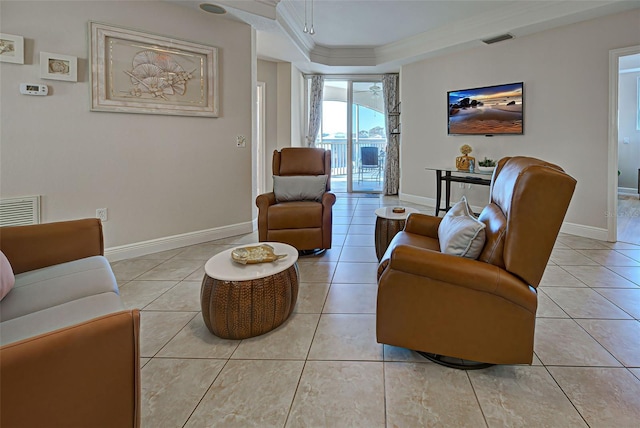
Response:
column 386, row 229
column 242, row 309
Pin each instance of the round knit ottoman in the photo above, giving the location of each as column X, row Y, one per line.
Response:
column 241, row 301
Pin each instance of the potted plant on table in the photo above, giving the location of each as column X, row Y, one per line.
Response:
column 487, row 165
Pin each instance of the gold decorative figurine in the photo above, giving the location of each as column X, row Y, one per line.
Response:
column 464, row 162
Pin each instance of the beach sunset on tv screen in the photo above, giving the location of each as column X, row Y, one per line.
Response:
column 486, row 111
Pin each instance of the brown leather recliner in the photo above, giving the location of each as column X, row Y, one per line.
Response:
column 306, row 225
column 481, row 310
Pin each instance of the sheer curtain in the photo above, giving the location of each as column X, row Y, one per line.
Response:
column 390, row 91
column 315, row 108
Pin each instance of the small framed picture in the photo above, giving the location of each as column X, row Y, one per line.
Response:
column 11, row 48
column 58, row 67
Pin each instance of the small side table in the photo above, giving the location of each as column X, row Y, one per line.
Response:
column 388, row 224
column 240, row 301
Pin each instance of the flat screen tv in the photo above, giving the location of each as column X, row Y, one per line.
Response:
column 490, row 110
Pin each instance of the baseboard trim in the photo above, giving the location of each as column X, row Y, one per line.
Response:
column 143, row 248
column 420, row 200
column 430, row 202
column 598, row 233
column 628, row 190
column 570, row 228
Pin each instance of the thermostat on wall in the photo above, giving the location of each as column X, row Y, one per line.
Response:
column 33, row 89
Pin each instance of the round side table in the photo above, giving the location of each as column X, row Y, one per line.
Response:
column 388, row 224
column 240, row 301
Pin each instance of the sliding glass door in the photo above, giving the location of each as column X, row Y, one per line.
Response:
column 353, row 128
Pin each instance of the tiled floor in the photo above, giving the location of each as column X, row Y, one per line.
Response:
column 629, row 218
column 324, row 368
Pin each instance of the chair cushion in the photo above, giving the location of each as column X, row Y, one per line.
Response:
column 60, row 316
column 7, row 280
column 460, row 232
column 295, row 215
column 302, row 161
column 51, row 286
column 299, row 187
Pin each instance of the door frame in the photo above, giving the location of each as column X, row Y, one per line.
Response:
column 261, row 146
column 612, row 173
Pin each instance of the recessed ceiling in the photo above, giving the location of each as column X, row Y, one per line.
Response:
column 379, row 22
column 376, row 36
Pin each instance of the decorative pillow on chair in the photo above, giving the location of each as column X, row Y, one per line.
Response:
column 6, row 276
column 461, row 233
column 299, row 187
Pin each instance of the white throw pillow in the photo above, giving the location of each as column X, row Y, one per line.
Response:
column 7, row 280
column 461, row 233
column 299, row 187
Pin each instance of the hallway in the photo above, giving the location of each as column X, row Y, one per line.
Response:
column 629, row 218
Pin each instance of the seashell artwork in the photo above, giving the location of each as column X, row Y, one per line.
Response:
column 259, row 254
column 157, row 74
column 7, row 47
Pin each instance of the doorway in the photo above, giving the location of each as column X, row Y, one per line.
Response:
column 353, row 128
column 624, row 144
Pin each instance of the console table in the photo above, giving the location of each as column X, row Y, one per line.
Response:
column 457, row 176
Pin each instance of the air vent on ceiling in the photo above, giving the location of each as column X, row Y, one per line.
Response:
column 497, row 39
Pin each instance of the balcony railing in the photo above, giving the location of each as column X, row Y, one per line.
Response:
column 338, row 147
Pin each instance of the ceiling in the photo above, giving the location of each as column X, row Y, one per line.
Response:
column 378, row 36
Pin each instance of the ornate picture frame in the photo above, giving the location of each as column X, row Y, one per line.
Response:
column 58, row 67
column 11, row 48
column 137, row 72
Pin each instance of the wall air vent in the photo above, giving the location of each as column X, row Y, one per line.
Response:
column 20, row 211
column 497, row 39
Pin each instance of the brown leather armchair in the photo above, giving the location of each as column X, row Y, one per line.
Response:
column 306, row 225
column 480, row 310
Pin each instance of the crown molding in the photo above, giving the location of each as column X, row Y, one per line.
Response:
column 261, row 8
column 518, row 19
column 343, row 56
column 291, row 24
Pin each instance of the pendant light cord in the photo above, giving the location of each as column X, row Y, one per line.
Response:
column 312, row 31
column 306, row 29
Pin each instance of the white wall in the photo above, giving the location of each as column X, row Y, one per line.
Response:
column 284, row 104
column 565, row 72
column 158, row 175
column 628, row 154
column 298, row 133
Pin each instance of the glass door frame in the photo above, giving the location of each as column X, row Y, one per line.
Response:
column 350, row 79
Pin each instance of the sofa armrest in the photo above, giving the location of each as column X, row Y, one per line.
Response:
column 41, row 245
column 84, row 375
column 461, row 272
column 423, row 224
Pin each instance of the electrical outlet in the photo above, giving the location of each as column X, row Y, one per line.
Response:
column 241, row 141
column 101, row 213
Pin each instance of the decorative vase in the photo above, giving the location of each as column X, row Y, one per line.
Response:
column 463, row 162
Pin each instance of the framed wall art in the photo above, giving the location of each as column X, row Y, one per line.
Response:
column 11, row 48
column 58, row 67
column 136, row 72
